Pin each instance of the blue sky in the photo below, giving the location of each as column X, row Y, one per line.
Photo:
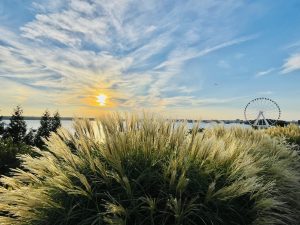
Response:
column 187, row 59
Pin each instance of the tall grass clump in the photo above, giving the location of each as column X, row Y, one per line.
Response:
column 290, row 133
column 146, row 171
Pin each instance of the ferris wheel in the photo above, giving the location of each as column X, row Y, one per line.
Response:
column 262, row 112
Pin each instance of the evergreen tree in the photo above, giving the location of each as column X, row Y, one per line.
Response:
column 17, row 127
column 30, row 138
column 55, row 122
column 44, row 129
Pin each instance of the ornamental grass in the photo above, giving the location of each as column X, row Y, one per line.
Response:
column 290, row 133
column 149, row 171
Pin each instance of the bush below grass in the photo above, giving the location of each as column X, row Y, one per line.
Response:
column 8, row 154
column 149, row 171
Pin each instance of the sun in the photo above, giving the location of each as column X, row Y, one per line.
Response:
column 101, row 99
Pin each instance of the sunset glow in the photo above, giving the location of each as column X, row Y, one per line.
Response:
column 179, row 58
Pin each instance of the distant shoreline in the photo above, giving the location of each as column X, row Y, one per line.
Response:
column 38, row 118
column 176, row 120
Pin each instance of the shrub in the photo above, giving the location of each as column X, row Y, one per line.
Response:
column 8, row 154
column 150, row 171
column 290, row 133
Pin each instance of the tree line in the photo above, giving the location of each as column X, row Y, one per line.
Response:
column 16, row 139
column 16, row 130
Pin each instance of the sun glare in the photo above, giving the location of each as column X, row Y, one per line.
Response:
column 101, row 99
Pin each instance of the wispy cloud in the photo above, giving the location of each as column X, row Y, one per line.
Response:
column 265, row 72
column 291, row 64
column 293, row 45
column 129, row 49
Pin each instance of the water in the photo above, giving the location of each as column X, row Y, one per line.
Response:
column 68, row 124
column 35, row 124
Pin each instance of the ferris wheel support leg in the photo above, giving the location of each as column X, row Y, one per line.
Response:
column 257, row 119
column 266, row 122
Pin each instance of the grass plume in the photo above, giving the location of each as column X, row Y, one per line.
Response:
column 290, row 133
column 150, row 171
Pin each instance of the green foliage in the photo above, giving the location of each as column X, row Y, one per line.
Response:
column 30, row 138
column 149, row 171
column 290, row 133
column 44, row 130
column 55, row 122
column 48, row 124
column 17, row 127
column 8, row 154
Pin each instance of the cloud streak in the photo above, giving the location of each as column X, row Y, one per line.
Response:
column 265, row 72
column 291, row 64
column 129, row 49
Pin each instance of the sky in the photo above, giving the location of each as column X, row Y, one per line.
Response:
column 199, row 59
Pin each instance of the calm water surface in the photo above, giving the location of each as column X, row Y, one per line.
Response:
column 68, row 124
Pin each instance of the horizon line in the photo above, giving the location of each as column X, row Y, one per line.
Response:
column 178, row 119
